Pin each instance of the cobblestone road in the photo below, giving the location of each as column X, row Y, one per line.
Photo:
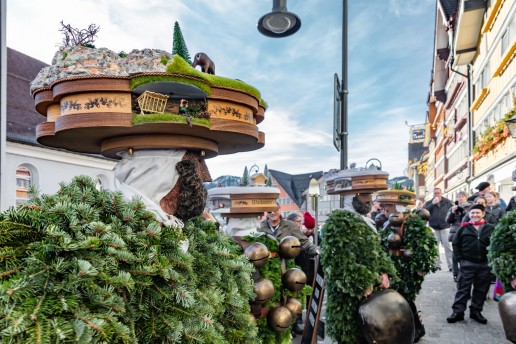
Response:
column 435, row 302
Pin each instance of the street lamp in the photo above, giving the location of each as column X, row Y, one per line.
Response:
column 279, row 22
column 314, row 192
column 511, row 125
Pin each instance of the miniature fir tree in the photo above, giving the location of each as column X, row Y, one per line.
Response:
column 245, row 178
column 85, row 266
column 269, row 179
column 266, row 170
column 179, row 45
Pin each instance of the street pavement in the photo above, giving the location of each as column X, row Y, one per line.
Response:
column 435, row 301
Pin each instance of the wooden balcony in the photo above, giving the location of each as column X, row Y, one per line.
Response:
column 496, row 156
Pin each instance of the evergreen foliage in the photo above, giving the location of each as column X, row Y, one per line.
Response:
column 179, row 45
column 417, row 238
column 245, row 177
column 352, row 258
column 268, row 182
column 502, row 250
column 272, row 271
column 84, row 266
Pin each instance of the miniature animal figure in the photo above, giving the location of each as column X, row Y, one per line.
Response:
column 207, row 65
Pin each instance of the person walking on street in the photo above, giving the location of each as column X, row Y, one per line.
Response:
column 438, row 208
column 470, row 248
column 454, row 218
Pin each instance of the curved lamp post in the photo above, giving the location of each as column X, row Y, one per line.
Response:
column 279, row 22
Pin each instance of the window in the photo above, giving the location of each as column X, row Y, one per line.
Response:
column 504, row 43
column 497, row 113
column 23, row 183
column 462, row 110
column 508, row 36
column 98, row 184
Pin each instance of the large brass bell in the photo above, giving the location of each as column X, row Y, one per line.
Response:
column 423, row 213
column 279, row 319
column 380, row 220
column 295, row 307
column 394, row 241
column 385, row 317
column 396, row 219
column 507, row 310
column 264, row 290
column 258, row 254
column 294, row 279
column 289, row 247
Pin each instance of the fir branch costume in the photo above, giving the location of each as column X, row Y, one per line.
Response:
column 85, row 266
column 417, row 238
column 501, row 254
column 353, row 258
column 272, row 271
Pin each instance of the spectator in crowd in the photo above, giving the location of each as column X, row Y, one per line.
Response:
column 470, row 248
column 438, row 208
column 493, row 206
column 454, row 218
column 512, row 203
column 309, row 226
column 420, row 202
column 482, row 189
column 278, row 227
column 297, row 219
column 501, row 200
column 306, row 261
column 489, row 218
column 375, row 209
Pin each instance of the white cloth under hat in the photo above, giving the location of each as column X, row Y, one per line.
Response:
column 150, row 175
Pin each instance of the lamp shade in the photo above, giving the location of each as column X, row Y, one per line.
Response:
column 511, row 124
column 279, row 22
column 313, row 188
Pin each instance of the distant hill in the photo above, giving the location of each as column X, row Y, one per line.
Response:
column 223, row 181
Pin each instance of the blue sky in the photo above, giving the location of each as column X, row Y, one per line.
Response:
column 389, row 61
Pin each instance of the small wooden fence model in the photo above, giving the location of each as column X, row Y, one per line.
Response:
column 152, row 102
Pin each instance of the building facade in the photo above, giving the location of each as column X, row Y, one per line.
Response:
column 26, row 163
column 472, row 90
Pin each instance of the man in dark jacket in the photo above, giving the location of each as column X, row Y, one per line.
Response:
column 438, row 208
column 470, row 247
column 482, row 189
column 512, row 204
column 454, row 218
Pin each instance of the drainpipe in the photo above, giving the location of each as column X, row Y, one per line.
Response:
column 470, row 115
